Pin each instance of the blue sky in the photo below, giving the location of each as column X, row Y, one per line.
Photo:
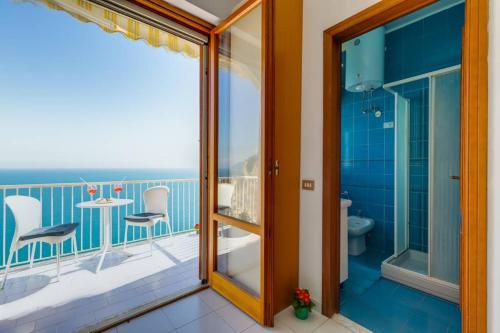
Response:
column 72, row 96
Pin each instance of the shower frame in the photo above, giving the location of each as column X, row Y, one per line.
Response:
column 424, row 282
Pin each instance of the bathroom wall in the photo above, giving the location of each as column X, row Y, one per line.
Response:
column 367, row 154
column 427, row 45
column 367, row 164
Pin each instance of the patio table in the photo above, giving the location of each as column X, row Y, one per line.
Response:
column 106, row 213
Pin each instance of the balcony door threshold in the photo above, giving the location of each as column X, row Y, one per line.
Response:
column 143, row 309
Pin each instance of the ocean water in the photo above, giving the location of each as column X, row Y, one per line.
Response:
column 59, row 204
column 44, row 176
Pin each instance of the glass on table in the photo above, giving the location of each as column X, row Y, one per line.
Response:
column 118, row 188
column 91, row 190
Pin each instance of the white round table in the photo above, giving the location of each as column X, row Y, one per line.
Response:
column 106, row 210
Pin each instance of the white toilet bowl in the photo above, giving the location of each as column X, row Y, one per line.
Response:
column 357, row 228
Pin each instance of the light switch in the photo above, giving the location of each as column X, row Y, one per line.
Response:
column 308, row 184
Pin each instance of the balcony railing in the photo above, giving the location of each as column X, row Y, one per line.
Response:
column 59, row 206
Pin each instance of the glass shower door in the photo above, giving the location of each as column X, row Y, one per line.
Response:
column 444, row 171
column 401, row 174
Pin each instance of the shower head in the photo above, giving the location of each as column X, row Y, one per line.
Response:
column 370, row 108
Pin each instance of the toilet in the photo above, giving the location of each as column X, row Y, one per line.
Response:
column 357, row 228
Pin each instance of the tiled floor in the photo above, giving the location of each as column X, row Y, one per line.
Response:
column 207, row 312
column 33, row 301
column 384, row 306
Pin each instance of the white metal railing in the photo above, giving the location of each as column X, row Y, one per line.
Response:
column 59, row 206
column 245, row 199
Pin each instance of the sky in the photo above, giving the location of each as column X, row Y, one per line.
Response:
column 73, row 96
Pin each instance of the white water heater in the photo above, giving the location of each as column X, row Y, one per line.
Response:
column 365, row 61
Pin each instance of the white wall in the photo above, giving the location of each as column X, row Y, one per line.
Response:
column 494, row 170
column 318, row 16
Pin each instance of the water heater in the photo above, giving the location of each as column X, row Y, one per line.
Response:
column 365, row 61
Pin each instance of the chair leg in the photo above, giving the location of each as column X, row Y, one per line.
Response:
column 11, row 254
column 75, row 247
column 169, row 228
column 58, row 254
column 150, row 239
column 126, row 235
column 33, row 250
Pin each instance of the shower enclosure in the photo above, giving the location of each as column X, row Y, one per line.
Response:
column 426, row 183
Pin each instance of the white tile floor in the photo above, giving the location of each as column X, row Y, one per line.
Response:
column 33, row 301
column 207, row 312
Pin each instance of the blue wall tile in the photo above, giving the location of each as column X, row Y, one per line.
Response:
column 367, row 151
column 427, row 45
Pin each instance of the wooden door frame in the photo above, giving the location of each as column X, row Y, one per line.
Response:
column 473, row 161
column 245, row 300
column 176, row 14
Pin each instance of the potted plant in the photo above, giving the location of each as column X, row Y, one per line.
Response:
column 197, row 228
column 302, row 303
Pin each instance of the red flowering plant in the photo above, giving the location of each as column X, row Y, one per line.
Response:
column 197, row 228
column 302, row 299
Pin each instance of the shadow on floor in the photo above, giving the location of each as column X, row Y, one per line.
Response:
column 91, row 307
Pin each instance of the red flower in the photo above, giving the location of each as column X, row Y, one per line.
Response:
column 197, row 226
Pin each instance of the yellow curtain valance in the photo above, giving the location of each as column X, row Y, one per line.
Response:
column 113, row 22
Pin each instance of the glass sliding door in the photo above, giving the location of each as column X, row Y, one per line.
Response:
column 238, row 172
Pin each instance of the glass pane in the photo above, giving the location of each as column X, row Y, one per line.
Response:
column 445, row 185
column 411, row 176
column 239, row 118
column 238, row 257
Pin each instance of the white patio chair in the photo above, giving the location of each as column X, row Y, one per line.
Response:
column 225, row 193
column 27, row 212
column 156, row 206
column 225, row 196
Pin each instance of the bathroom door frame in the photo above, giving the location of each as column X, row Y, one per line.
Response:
column 473, row 151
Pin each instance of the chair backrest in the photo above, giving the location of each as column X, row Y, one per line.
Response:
column 225, row 195
column 27, row 213
column 156, row 199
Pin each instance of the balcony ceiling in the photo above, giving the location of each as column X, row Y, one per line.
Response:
column 212, row 11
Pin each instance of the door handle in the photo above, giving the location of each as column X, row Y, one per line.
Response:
column 455, row 177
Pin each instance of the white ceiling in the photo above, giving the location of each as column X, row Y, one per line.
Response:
column 212, row 11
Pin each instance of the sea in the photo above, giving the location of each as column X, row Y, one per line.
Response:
column 59, row 204
column 44, row 176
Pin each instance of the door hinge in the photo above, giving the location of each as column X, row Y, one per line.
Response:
column 276, row 167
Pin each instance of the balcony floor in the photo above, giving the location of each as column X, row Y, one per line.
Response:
column 33, row 300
